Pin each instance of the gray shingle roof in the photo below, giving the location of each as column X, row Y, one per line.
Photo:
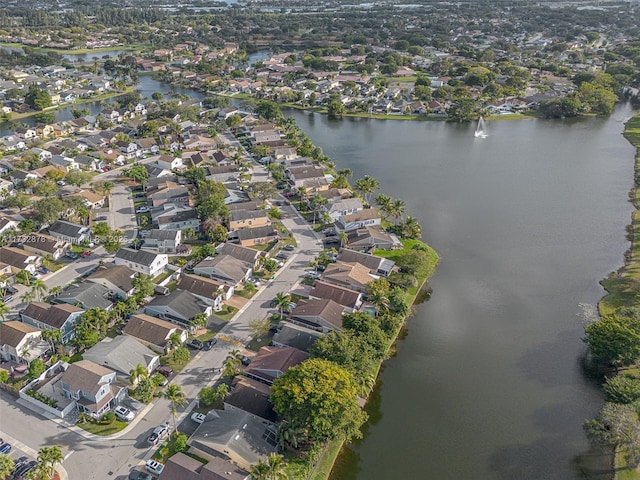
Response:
column 88, row 295
column 141, row 257
column 121, row 354
column 181, row 301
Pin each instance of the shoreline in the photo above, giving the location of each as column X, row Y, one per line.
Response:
column 74, row 51
column 332, row 450
column 622, row 286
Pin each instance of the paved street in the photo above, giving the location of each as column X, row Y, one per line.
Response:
column 102, row 458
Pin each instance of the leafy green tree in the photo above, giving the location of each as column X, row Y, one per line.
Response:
column 209, row 395
column 617, row 425
column 268, row 109
column 199, row 320
column 142, row 285
column 37, row 98
column 45, row 117
column 622, row 389
column 78, row 177
column 101, row 230
column 4, row 376
column 137, row 373
column 48, row 210
column 335, row 107
column 45, row 188
column 322, row 396
column 615, row 338
column 113, row 241
column 413, row 261
column 6, row 465
column 262, row 190
column 138, row 173
column 49, row 457
column 36, row 368
column 4, row 310
column 411, row 228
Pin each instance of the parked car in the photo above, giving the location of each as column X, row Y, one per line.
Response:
column 164, row 370
column 24, row 469
column 198, row 417
column 245, row 360
column 101, row 218
column 36, row 276
column 5, row 448
column 142, row 210
column 85, row 254
column 158, row 433
column 208, row 345
column 194, row 343
column 155, row 467
column 288, row 248
column 43, row 270
column 138, row 475
column 61, row 183
column 7, row 298
column 19, row 462
column 282, row 256
column 124, row 414
column 313, row 274
column 11, row 290
column 144, row 233
column 72, row 255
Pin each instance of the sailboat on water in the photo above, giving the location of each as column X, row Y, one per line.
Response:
column 481, row 130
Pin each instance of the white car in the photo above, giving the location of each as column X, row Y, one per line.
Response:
column 155, row 467
column 142, row 210
column 61, row 183
column 198, row 417
column 124, row 414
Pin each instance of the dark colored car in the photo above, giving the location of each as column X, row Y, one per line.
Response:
column 11, row 290
column 138, row 475
column 208, row 345
column 72, row 255
column 195, row 344
column 101, row 218
column 5, row 448
column 24, row 469
column 164, row 370
column 44, row 270
column 288, row 248
column 245, row 361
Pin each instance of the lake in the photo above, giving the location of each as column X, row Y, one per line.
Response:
column 488, row 383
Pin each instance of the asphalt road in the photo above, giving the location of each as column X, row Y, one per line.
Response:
column 104, row 458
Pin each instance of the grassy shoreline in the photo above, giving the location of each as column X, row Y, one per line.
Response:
column 72, row 51
column 331, row 450
column 623, row 286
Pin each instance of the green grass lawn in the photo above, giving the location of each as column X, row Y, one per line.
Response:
column 227, row 314
column 260, row 341
column 52, row 265
column 98, row 429
column 162, row 276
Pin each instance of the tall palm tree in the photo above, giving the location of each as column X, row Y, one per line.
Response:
column 366, row 186
column 55, row 291
column 344, row 239
column 4, row 309
column 49, row 457
column 345, row 172
column 137, row 373
column 52, row 337
column 384, row 202
column 107, row 188
column 39, row 288
column 276, row 466
column 176, row 396
column 397, row 209
column 282, row 302
column 411, row 228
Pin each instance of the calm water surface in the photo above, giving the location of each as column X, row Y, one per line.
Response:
column 488, row 384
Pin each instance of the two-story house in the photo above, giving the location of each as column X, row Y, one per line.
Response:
column 248, row 219
column 92, row 387
column 163, row 241
column 142, row 261
column 175, row 217
column 17, row 341
column 364, row 218
column 341, row 207
column 53, row 317
column 210, row 291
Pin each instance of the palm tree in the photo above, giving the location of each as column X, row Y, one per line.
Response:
column 411, row 228
column 288, row 434
column 344, row 240
column 384, row 202
column 39, row 288
column 397, row 209
column 366, row 186
column 176, row 396
column 4, row 309
column 345, row 172
column 175, row 340
column 28, row 296
column 276, row 466
column 379, row 300
column 55, row 291
column 282, row 302
column 107, row 188
column 48, row 457
column 137, row 373
column 260, row 471
column 52, row 337
column 23, row 277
